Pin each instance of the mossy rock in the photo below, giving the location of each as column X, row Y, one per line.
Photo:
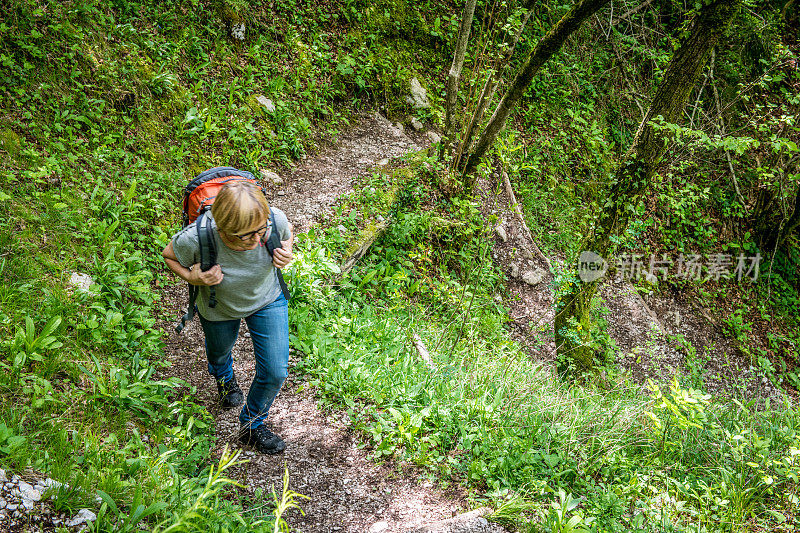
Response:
column 255, row 107
column 229, row 15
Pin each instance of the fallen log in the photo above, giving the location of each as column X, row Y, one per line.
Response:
column 367, row 238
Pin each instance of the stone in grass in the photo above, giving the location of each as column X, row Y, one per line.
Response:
column 82, row 282
column 419, row 96
column 416, row 124
column 270, row 176
column 533, row 277
column 501, row 233
column 50, row 483
column 28, row 492
column 269, row 106
column 434, row 137
column 237, row 31
column 83, row 516
column 379, row 527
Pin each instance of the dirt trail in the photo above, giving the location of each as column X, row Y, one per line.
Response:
column 348, row 492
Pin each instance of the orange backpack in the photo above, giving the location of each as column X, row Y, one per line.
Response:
column 198, row 197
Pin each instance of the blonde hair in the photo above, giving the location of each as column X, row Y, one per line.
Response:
column 239, row 206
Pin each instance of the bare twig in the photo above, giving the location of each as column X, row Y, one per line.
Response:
column 631, row 87
column 487, row 34
column 423, row 351
column 630, row 12
column 512, row 199
column 489, row 89
column 721, row 128
column 699, row 95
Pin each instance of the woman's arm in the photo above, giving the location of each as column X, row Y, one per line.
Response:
column 193, row 275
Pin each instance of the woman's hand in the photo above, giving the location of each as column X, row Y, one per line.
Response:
column 212, row 276
column 283, row 256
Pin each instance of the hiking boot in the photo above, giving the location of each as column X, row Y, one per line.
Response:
column 262, row 439
column 230, row 395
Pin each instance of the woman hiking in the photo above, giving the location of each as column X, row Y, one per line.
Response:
column 246, row 287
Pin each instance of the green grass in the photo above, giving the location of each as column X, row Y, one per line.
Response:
column 109, row 109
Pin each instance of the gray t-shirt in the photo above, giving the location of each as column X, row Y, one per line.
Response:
column 250, row 281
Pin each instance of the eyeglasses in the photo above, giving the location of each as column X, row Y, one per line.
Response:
column 260, row 232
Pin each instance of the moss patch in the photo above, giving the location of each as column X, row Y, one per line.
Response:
column 11, row 143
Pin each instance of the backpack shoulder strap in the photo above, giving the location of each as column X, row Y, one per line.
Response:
column 187, row 317
column 208, row 258
column 208, row 250
column 205, row 236
column 273, row 242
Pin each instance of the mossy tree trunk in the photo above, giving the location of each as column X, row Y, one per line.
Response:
column 549, row 45
column 791, row 225
column 633, row 176
column 773, row 222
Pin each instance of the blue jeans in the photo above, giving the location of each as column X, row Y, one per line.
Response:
column 269, row 330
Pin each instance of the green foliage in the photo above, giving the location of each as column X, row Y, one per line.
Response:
column 485, row 414
column 8, row 440
column 556, row 520
column 110, row 106
column 737, row 327
column 119, row 102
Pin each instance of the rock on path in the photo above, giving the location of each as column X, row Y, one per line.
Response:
column 22, row 507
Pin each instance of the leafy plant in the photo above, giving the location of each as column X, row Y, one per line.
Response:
column 558, row 519
column 9, row 440
column 28, row 346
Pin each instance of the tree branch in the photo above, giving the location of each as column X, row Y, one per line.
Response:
column 454, row 75
column 512, row 200
column 630, row 12
column 547, row 47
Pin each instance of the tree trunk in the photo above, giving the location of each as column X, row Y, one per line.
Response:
column 632, row 178
column 549, row 45
column 490, row 86
column 454, row 76
column 792, row 224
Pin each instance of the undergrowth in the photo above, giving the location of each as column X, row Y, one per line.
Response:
column 539, row 450
column 108, row 108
